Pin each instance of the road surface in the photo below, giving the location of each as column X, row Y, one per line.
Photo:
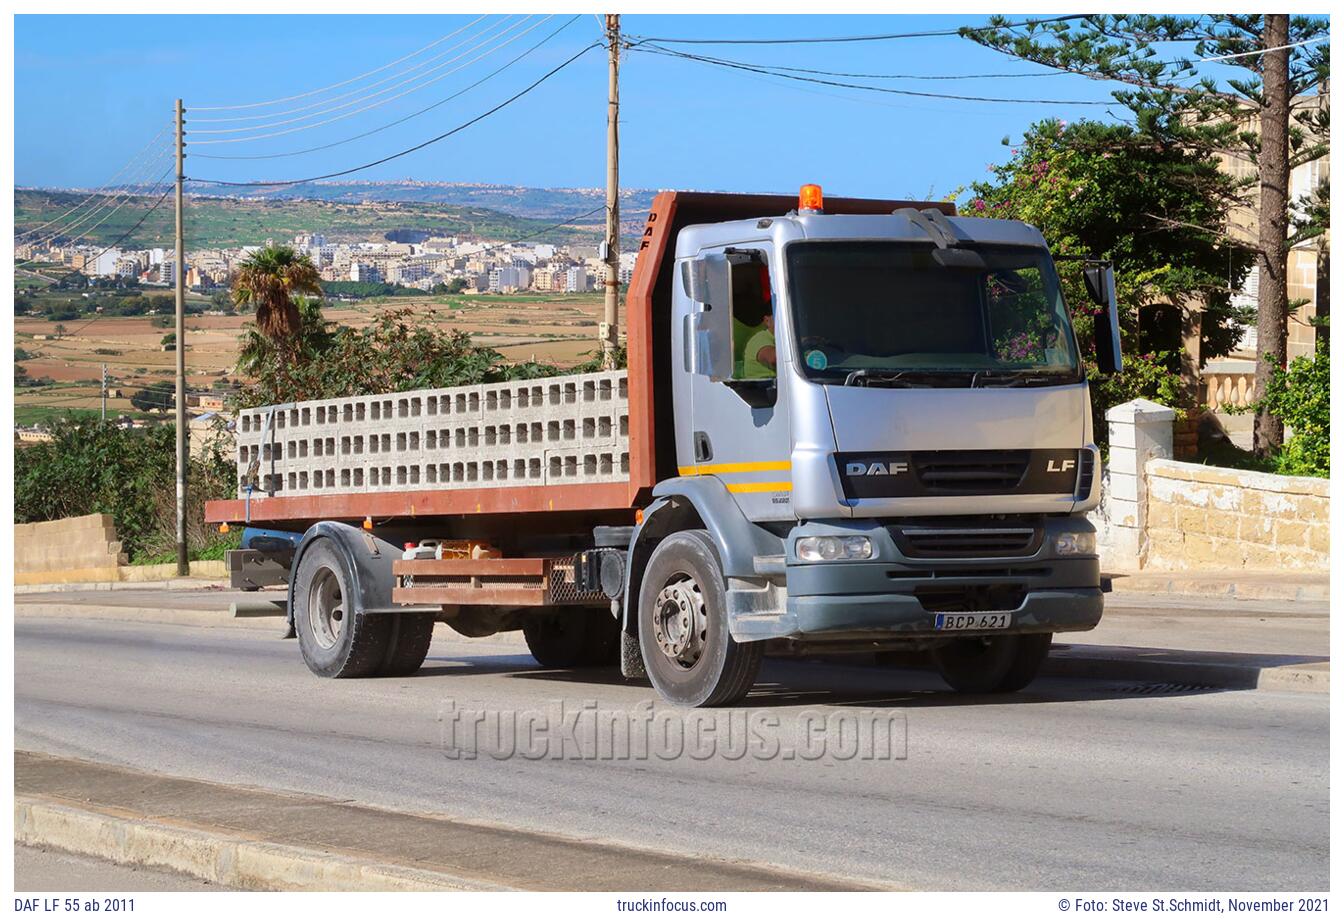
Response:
column 1073, row 785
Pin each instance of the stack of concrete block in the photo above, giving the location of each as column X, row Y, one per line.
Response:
column 80, row 549
column 549, row 431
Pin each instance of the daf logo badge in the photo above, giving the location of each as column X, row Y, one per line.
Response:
column 877, row 469
column 1059, row 466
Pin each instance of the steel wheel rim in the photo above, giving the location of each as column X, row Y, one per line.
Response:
column 680, row 621
column 326, row 608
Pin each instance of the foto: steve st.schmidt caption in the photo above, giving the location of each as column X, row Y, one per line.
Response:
column 1184, row 904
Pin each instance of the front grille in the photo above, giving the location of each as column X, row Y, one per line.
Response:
column 971, row 599
column 969, row 472
column 956, row 540
column 942, row 544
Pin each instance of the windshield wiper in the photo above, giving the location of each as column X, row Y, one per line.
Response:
column 1022, row 378
column 866, row 377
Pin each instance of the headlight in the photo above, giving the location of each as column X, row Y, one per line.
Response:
column 1076, row 544
column 830, row 549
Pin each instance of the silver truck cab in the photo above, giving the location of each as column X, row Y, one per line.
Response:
column 883, row 424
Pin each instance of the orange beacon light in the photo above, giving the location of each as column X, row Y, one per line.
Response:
column 809, row 198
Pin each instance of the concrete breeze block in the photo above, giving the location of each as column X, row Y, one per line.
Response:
column 556, row 430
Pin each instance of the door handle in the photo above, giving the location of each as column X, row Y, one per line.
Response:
column 704, row 451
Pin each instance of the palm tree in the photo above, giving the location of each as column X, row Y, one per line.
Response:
column 257, row 352
column 268, row 280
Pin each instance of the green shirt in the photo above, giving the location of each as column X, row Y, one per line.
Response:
column 753, row 368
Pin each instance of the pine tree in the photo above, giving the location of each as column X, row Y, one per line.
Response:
column 1275, row 112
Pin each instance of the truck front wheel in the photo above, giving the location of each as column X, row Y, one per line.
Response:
column 992, row 664
column 689, row 655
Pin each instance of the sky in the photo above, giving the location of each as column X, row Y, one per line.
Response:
column 94, row 92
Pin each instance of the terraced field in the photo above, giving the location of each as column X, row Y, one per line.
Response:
column 553, row 328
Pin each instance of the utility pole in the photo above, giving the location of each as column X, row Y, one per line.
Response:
column 104, row 393
column 608, row 331
column 180, row 271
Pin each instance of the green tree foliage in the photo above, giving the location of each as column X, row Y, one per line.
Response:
column 1157, row 210
column 400, row 349
column 363, row 289
column 1300, row 396
column 89, row 468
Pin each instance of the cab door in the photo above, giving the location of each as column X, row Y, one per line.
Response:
column 739, row 420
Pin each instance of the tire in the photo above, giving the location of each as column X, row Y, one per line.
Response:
column 335, row 642
column 689, row 655
column 572, row 638
column 1032, row 650
column 999, row 664
column 407, row 643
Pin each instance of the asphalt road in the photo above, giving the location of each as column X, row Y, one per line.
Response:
column 1073, row 785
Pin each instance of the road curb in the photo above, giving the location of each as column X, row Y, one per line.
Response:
column 1251, row 588
column 66, row 587
column 207, row 618
column 219, row 858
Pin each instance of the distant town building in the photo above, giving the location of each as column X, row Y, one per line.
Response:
column 366, row 272
column 576, row 280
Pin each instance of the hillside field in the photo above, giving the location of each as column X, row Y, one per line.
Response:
column 553, row 328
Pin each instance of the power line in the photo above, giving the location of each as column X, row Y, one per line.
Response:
column 1228, row 57
column 915, row 76
column 106, row 217
column 537, row 233
column 401, row 153
column 127, row 189
column 372, row 105
column 138, row 224
column 101, row 190
column 353, row 92
column 848, row 38
column 85, row 233
column 391, row 124
column 314, row 92
column 737, row 65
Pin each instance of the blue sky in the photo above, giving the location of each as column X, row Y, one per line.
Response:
column 91, row 91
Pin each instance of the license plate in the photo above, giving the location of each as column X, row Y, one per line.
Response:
column 955, row 621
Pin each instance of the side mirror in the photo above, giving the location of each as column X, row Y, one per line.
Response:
column 1100, row 280
column 708, row 330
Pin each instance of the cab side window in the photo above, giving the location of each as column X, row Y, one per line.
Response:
column 753, row 321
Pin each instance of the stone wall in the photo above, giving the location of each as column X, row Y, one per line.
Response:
column 79, row 549
column 1203, row 517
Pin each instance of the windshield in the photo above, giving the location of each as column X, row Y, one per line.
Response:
column 869, row 311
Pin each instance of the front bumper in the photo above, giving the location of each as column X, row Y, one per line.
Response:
column 895, row 597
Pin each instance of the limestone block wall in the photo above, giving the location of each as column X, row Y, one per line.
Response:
column 75, row 549
column 573, row 429
column 1202, row 517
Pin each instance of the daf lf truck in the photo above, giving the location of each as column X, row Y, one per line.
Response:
column 845, row 424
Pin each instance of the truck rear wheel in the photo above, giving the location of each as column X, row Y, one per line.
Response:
column 572, row 638
column 335, row 642
column 689, row 655
column 992, row 664
column 409, row 635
